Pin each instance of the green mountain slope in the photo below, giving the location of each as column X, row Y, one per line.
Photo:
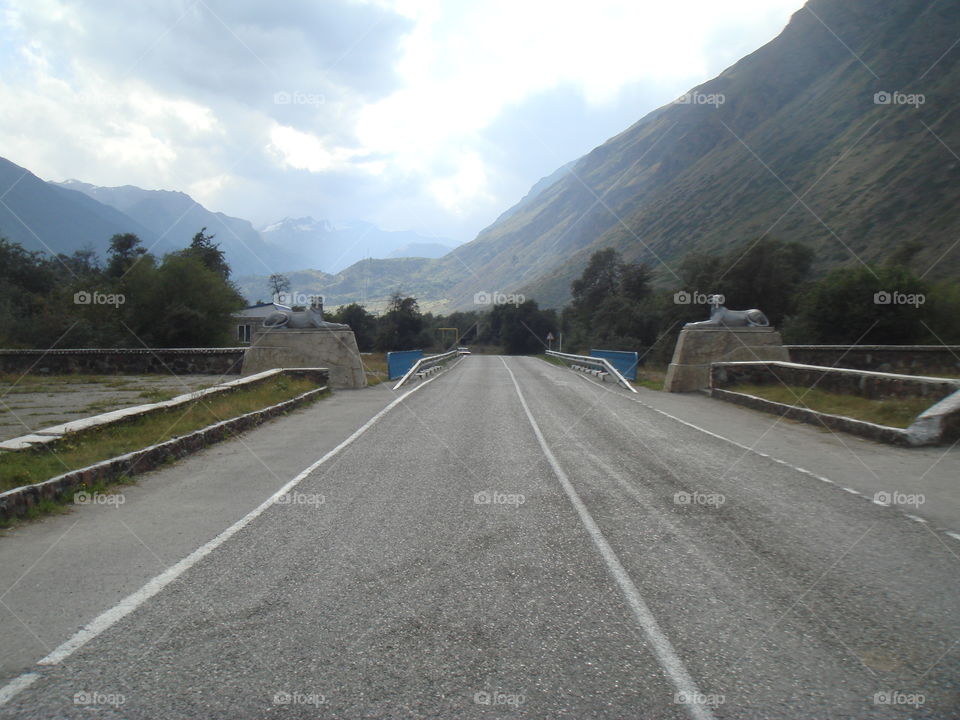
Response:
column 799, row 150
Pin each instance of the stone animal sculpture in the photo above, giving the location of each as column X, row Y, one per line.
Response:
column 721, row 317
column 307, row 319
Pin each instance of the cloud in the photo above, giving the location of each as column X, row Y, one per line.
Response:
column 426, row 114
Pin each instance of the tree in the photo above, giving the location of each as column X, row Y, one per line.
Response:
column 209, row 253
column 610, row 303
column 198, row 314
column 599, row 280
column 363, row 324
column 863, row 305
column 765, row 274
column 125, row 251
column 402, row 326
column 278, row 284
column 522, row 329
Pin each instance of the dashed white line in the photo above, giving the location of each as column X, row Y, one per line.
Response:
column 952, row 534
column 16, row 685
column 667, row 656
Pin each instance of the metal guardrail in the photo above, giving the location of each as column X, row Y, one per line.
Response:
column 426, row 362
column 600, row 362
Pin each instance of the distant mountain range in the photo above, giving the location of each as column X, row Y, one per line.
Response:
column 62, row 217
column 44, row 216
column 322, row 245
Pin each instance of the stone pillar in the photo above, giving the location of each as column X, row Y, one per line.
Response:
column 335, row 350
column 697, row 348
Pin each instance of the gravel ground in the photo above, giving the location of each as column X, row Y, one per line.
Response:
column 33, row 403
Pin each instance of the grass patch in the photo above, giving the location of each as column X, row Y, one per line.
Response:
column 892, row 412
column 375, row 367
column 552, row 360
column 78, row 450
column 651, row 377
column 159, row 395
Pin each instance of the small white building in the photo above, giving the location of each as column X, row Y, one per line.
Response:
column 251, row 318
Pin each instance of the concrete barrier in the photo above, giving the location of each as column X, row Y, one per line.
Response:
column 17, row 501
column 124, row 361
column 940, row 423
column 865, row 383
column 907, row 359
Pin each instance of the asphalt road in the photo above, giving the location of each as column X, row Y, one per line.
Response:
column 514, row 540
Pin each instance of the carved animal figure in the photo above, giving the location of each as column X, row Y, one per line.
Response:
column 312, row 317
column 721, row 317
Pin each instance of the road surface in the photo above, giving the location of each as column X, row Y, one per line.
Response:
column 512, row 539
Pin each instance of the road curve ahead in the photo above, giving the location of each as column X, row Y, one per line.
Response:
column 514, row 540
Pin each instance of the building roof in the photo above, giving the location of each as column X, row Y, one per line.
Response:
column 261, row 310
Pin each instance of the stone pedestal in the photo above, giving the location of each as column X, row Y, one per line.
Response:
column 335, row 350
column 697, row 348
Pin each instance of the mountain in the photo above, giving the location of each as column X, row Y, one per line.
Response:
column 793, row 141
column 176, row 217
column 369, row 281
column 421, row 250
column 42, row 216
column 319, row 244
column 842, row 133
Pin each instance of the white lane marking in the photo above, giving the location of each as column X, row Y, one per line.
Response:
column 916, row 518
column 669, row 660
column 16, row 685
column 742, row 446
column 111, row 617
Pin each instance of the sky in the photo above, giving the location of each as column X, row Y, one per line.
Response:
column 426, row 115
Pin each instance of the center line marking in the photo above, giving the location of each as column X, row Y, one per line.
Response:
column 669, row 660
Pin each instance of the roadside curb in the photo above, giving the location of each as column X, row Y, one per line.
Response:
column 16, row 502
column 872, row 431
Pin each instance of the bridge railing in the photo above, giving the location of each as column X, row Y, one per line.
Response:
column 426, row 363
column 601, row 363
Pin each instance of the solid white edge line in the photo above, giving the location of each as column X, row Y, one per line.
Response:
column 133, row 601
column 669, row 660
